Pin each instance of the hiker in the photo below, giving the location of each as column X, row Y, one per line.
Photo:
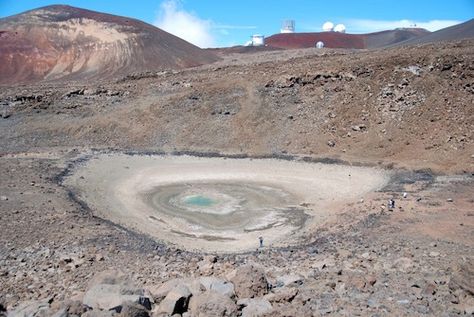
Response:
column 261, row 241
column 391, row 204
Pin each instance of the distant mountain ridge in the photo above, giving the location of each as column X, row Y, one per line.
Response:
column 344, row 40
column 456, row 32
column 64, row 42
column 402, row 36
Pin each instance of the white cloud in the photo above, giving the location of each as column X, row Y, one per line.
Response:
column 367, row 26
column 175, row 20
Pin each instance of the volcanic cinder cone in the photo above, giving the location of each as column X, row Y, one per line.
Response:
column 63, row 42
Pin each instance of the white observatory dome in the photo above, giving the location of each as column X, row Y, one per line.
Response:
column 320, row 44
column 328, row 26
column 341, row 28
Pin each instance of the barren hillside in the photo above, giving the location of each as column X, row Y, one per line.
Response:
column 456, row 32
column 410, row 106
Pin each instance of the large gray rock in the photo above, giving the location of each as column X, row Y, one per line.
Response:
column 254, row 307
column 290, row 280
column 282, row 295
column 107, row 296
column 463, row 278
column 72, row 307
column 210, row 304
column 32, row 309
column 175, row 302
column 159, row 292
column 130, row 309
column 249, row 281
column 218, row 285
column 110, row 290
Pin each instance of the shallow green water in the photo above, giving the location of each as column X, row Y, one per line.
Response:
column 198, row 200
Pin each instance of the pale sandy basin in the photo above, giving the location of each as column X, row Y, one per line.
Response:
column 281, row 201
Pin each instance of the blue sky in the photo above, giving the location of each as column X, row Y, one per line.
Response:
column 211, row 23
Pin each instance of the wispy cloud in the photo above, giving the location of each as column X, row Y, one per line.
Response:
column 174, row 19
column 366, row 26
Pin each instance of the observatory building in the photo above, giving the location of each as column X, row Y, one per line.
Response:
column 320, row 44
column 258, row 40
column 288, row 26
column 341, row 28
column 328, row 27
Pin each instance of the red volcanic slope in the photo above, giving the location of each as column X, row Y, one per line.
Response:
column 63, row 42
column 344, row 40
column 304, row 40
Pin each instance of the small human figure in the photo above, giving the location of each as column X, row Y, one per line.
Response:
column 261, row 241
column 391, row 204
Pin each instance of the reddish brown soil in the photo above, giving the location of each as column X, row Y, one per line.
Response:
column 304, row 40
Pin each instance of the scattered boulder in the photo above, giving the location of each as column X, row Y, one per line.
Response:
column 112, row 292
column 74, row 92
column 175, row 302
column 32, row 309
column 282, row 295
column 159, row 292
column 130, row 309
column 206, row 266
column 218, row 285
column 254, row 307
column 359, row 127
column 249, row 281
column 106, row 296
column 289, row 280
column 463, row 278
column 211, row 303
column 72, row 307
